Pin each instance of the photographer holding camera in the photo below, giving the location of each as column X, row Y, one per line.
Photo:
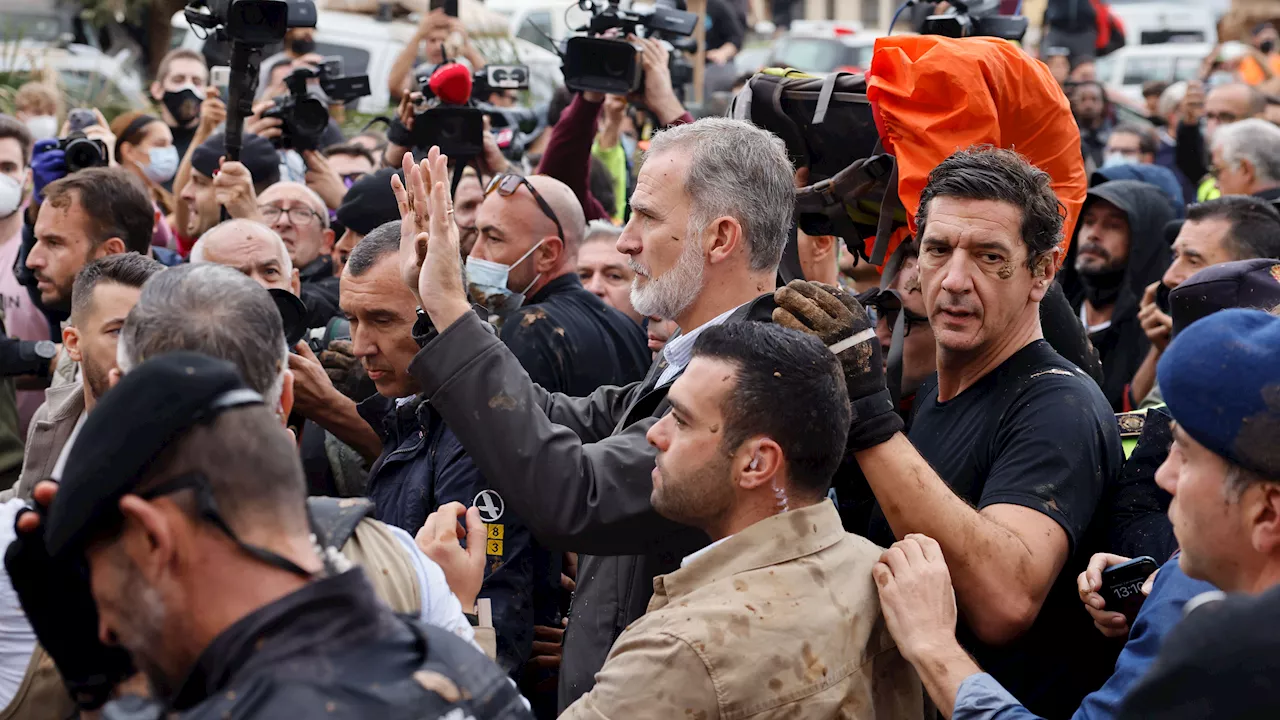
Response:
column 443, row 36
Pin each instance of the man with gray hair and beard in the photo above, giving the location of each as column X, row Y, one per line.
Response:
column 710, row 216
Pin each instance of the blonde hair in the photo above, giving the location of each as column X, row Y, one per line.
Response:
column 38, row 98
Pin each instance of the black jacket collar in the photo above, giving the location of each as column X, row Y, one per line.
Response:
column 318, row 269
column 565, row 283
column 321, row 617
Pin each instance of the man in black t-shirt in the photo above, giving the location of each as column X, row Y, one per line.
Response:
column 1010, row 447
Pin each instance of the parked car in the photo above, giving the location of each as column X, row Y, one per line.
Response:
column 545, row 24
column 824, row 47
column 1148, row 22
column 369, row 47
column 1131, row 66
column 86, row 76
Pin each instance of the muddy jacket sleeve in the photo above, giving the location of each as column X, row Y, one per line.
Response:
column 589, row 497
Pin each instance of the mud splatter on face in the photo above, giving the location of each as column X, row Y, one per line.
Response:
column 1006, row 270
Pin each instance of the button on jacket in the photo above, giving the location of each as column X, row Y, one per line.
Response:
column 779, row 620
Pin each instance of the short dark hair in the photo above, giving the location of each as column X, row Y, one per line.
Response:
column 787, row 387
column 128, row 269
column 12, row 127
column 1154, row 88
column 114, row 202
column 1255, row 224
column 350, row 148
column 253, row 471
column 380, row 242
column 990, row 173
column 1147, row 142
column 162, row 70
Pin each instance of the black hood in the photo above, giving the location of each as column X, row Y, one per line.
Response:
column 1148, row 210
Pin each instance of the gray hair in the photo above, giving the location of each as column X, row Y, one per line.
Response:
column 1239, row 479
column 737, row 170
column 1255, row 140
column 198, row 250
column 1171, row 98
column 601, row 230
column 211, row 309
column 381, row 241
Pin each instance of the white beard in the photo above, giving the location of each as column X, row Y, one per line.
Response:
column 671, row 293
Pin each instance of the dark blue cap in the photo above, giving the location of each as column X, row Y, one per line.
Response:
column 1221, row 380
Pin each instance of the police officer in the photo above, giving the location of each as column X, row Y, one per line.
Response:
column 185, row 502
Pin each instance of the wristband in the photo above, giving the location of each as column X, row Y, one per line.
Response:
column 852, row 340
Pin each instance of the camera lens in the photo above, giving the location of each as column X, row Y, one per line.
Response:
column 83, row 153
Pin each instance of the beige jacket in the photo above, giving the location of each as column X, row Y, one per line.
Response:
column 779, row 620
column 50, row 428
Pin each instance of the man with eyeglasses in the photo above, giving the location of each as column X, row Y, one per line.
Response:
column 523, row 270
column 301, row 219
column 1221, row 106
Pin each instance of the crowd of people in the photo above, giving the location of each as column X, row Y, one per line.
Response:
column 363, row 431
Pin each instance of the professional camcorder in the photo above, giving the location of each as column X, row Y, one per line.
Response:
column 304, row 112
column 975, row 18
column 452, row 109
column 593, row 63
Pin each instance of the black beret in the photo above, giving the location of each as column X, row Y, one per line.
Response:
column 151, row 407
column 1239, row 284
column 370, row 202
column 256, row 153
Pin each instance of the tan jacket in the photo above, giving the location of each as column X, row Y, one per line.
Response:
column 51, row 426
column 779, row 620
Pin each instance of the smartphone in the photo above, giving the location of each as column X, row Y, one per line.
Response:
column 450, row 6
column 220, row 77
column 1122, row 585
column 80, row 118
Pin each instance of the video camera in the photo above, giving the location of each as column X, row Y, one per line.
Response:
column 304, row 112
column 82, row 152
column 975, row 18
column 250, row 26
column 452, row 110
column 610, row 65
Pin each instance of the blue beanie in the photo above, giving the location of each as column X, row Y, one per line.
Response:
column 1221, row 379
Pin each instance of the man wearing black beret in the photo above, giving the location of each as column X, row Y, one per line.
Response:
column 369, row 203
column 184, row 499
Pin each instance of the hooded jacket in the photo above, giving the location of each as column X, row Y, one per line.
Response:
column 1161, row 177
column 1123, row 345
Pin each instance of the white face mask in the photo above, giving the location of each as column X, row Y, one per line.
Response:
column 43, row 126
column 162, row 165
column 10, row 196
column 487, row 282
column 1113, row 159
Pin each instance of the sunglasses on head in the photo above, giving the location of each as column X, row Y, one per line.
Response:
column 508, row 183
column 888, row 303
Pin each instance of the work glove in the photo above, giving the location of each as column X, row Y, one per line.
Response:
column 345, row 371
column 48, row 163
column 841, row 323
column 55, row 596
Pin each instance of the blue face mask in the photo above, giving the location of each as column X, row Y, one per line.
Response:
column 487, row 283
column 162, row 164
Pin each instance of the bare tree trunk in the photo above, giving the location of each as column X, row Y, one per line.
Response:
column 160, row 31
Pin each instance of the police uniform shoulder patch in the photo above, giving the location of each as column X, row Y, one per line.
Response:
column 1130, row 423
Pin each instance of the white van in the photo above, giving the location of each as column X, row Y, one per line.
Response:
column 1148, row 22
column 369, row 47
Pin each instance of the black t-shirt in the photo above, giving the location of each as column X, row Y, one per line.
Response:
column 1035, row 432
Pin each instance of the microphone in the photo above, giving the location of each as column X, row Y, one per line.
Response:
column 451, row 83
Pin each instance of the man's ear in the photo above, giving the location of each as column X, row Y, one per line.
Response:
column 1263, row 517
column 295, row 283
column 326, row 245
column 150, row 536
column 760, row 462
column 71, row 340
column 157, row 92
column 113, row 377
column 286, row 397
column 723, row 237
column 1043, row 270
column 548, row 255
column 112, row 246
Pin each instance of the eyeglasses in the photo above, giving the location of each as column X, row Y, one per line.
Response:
column 508, row 183
column 298, row 214
column 1222, row 118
